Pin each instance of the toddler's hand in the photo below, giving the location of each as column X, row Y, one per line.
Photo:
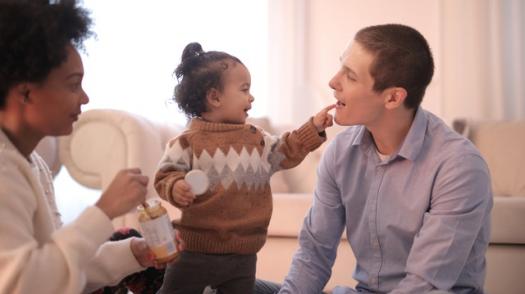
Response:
column 323, row 119
column 181, row 193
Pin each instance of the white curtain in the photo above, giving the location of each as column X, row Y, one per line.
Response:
column 512, row 54
column 483, row 59
column 288, row 71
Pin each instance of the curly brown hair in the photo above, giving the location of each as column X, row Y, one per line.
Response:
column 198, row 73
column 33, row 39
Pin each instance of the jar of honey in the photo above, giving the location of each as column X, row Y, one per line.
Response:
column 157, row 230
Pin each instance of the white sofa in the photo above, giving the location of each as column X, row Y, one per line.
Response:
column 104, row 141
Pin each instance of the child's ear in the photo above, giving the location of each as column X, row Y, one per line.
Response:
column 213, row 97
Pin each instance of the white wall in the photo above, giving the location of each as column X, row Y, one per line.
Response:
column 483, row 64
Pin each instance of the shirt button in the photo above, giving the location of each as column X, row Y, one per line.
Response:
column 375, row 244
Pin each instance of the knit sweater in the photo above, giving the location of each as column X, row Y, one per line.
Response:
column 239, row 159
column 37, row 253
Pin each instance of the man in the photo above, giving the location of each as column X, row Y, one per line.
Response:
column 413, row 196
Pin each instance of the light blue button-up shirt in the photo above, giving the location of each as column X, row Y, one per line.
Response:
column 417, row 221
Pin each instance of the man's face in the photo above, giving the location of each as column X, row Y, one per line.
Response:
column 357, row 103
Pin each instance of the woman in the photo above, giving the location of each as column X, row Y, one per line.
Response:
column 41, row 95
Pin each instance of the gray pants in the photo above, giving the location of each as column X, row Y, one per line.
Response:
column 226, row 273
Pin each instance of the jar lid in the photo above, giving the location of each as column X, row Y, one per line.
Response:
column 198, row 181
column 151, row 202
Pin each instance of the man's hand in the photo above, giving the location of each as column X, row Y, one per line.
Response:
column 126, row 191
column 323, row 119
column 181, row 193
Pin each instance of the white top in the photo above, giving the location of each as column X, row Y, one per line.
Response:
column 37, row 254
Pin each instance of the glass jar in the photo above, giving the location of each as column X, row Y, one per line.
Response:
column 157, row 230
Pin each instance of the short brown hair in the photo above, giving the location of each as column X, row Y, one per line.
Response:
column 402, row 59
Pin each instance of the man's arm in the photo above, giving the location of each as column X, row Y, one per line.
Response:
column 460, row 208
column 320, row 234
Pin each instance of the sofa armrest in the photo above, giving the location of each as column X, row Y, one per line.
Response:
column 105, row 141
column 508, row 220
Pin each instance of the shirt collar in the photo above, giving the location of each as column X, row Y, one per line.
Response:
column 5, row 143
column 413, row 141
column 362, row 135
column 416, row 136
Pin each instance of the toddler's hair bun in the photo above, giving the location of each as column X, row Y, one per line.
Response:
column 191, row 50
column 189, row 59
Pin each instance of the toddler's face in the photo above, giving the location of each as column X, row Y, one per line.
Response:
column 235, row 97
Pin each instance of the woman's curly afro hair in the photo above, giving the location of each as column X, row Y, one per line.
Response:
column 33, row 39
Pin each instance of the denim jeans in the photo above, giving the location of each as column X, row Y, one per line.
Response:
column 265, row 287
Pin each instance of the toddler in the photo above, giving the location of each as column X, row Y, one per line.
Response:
column 225, row 227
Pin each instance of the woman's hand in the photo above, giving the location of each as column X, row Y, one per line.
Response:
column 142, row 253
column 126, row 191
column 145, row 257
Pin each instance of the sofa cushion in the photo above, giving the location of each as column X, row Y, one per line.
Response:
column 508, row 221
column 289, row 210
column 502, row 144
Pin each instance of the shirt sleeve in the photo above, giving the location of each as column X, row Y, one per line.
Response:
column 291, row 148
column 173, row 166
column 320, row 235
column 460, row 207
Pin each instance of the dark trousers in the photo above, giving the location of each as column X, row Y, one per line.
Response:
column 227, row 273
